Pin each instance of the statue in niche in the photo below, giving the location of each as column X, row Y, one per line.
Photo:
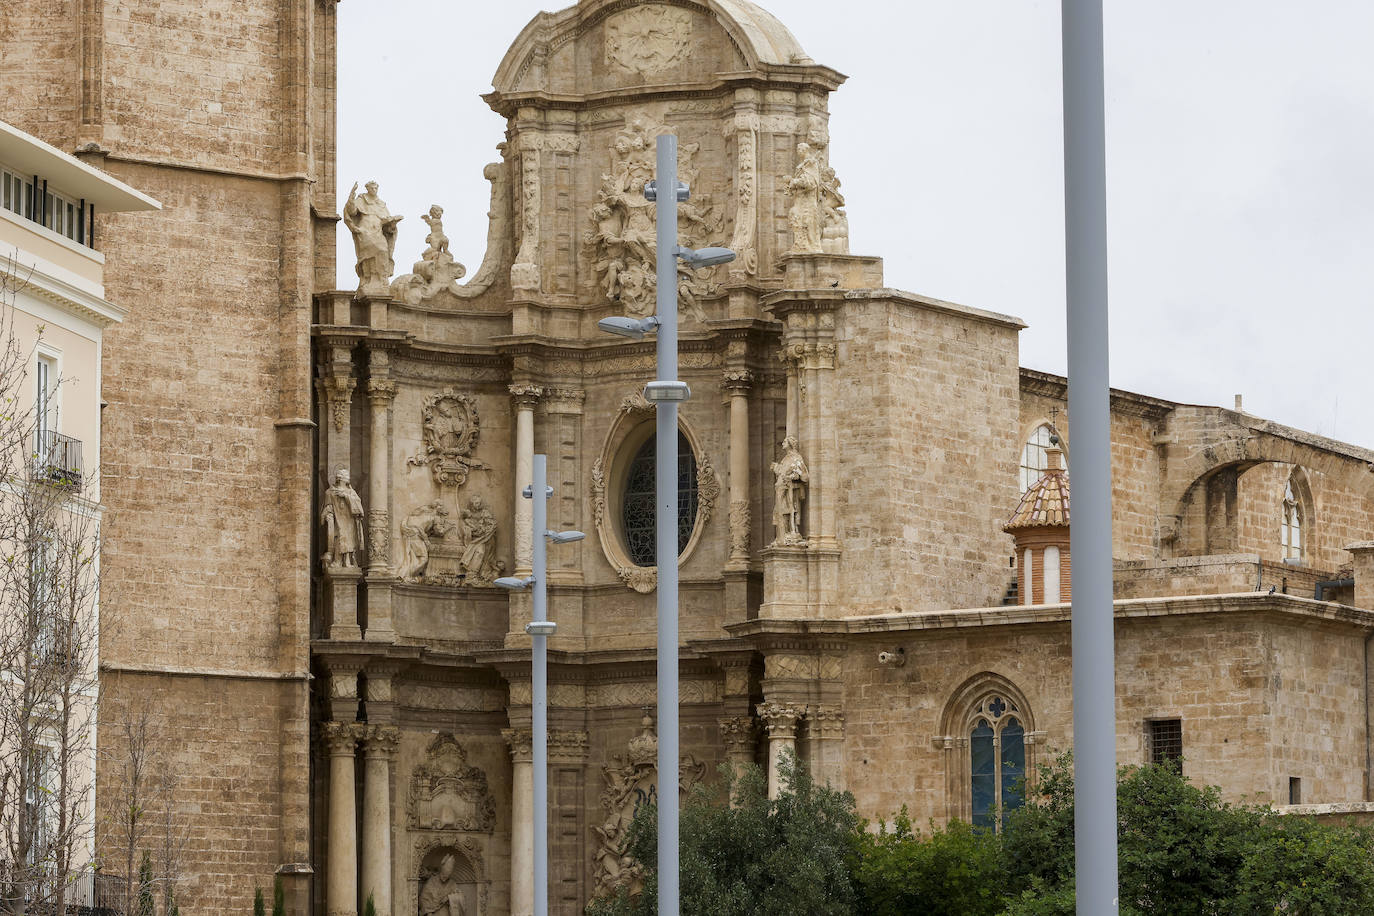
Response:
column 449, row 426
column 441, row 895
column 342, row 516
column 622, row 241
column 479, row 530
column 435, row 271
column 834, row 221
column 790, row 478
column 423, row 523
column 804, row 216
column 374, row 238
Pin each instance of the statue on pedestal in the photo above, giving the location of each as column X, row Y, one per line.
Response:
column 790, row 480
column 342, row 516
column 479, row 529
column 374, row 238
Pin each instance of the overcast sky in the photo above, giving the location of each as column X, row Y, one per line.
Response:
column 1240, row 171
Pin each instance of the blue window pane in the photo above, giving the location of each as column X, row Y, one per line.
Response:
column 1013, row 764
column 984, row 759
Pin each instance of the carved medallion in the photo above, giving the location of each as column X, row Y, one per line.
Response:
column 649, row 39
column 447, row 794
column 450, row 425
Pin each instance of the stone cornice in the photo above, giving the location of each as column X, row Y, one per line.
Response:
column 1048, row 385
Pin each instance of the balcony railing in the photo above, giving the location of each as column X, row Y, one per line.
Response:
column 59, row 460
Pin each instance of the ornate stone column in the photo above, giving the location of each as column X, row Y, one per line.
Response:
column 336, row 385
column 739, row 734
column 737, row 383
column 341, row 887
column 521, row 821
column 381, row 393
column 525, row 397
column 825, row 744
column 781, row 721
column 379, row 745
column 524, row 273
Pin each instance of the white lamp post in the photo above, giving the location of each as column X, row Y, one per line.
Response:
column 1094, row 658
column 666, row 392
column 541, row 628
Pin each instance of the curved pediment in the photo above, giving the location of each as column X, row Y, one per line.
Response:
column 601, row 46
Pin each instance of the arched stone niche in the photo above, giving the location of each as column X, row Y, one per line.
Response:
column 469, row 871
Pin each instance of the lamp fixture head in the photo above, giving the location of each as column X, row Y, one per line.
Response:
column 633, row 328
column 541, row 627
column 705, row 257
column 513, row 583
column 564, row 537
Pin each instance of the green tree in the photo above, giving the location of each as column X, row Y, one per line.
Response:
column 279, row 897
column 147, row 905
column 259, row 908
column 954, row 871
column 788, row 856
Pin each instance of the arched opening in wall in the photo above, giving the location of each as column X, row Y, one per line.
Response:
column 638, row 518
column 444, row 871
column 1297, row 515
column 989, row 745
column 623, row 499
column 1035, row 454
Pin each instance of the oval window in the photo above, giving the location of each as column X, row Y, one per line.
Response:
column 637, row 514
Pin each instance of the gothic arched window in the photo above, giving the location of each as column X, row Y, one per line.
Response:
column 1034, row 457
column 997, row 759
column 637, row 516
column 1291, row 532
column 990, row 742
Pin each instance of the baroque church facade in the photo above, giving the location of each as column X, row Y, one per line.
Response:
column 312, row 491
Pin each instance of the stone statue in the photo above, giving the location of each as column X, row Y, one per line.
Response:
column 374, row 238
column 790, row 480
column 436, row 241
column 423, row 523
column 479, row 530
column 343, row 522
column 441, row 895
column 834, row 221
column 804, row 216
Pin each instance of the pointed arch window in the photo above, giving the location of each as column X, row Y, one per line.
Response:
column 1035, row 455
column 997, row 759
column 1291, row 532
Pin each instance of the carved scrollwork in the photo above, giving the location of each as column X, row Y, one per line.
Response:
column 649, row 39
column 451, row 427
column 447, row 794
column 708, row 488
column 739, row 528
column 631, row 782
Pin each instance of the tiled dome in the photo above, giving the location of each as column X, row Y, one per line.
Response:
column 1046, row 503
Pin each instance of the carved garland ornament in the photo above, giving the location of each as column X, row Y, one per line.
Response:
column 451, row 427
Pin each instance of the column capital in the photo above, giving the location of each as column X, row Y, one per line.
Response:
column 780, row 718
column 525, row 396
column 521, row 743
column 342, row 737
column 739, row 734
column 568, row 746
column 737, row 381
column 825, row 721
column 381, row 390
column 381, row 740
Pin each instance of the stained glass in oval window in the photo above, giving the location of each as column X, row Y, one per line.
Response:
column 637, row 503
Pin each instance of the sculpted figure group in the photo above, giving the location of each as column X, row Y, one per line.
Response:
column 816, row 216
column 476, row 538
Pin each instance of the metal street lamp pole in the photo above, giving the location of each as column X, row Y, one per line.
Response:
column 665, row 497
column 1094, row 658
column 540, row 628
column 666, row 392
